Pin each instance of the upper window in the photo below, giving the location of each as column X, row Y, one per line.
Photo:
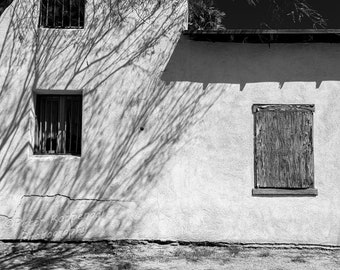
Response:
column 62, row 13
column 284, row 150
column 58, row 124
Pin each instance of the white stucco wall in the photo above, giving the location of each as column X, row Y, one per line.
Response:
column 188, row 174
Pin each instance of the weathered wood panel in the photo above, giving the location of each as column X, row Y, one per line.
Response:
column 284, row 146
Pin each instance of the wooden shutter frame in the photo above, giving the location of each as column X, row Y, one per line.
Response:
column 261, row 191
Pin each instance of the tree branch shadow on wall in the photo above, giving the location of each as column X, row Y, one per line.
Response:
column 108, row 184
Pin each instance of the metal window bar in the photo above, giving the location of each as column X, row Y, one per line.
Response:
column 51, row 128
column 40, row 137
column 79, row 13
column 77, row 123
column 45, row 127
column 70, row 14
column 54, row 9
column 64, row 138
column 47, row 8
column 41, row 15
column 71, row 127
column 62, row 13
column 36, row 134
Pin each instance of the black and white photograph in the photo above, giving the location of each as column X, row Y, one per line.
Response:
column 170, row 134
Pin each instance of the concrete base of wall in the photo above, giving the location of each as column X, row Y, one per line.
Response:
column 132, row 254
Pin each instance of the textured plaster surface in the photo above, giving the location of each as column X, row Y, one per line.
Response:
column 167, row 145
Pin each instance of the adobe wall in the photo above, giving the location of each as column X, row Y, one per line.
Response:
column 167, row 147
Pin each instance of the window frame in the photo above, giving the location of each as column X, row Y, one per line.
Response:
column 62, row 27
column 286, row 191
column 62, row 118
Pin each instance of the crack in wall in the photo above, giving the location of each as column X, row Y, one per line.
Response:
column 233, row 245
column 75, row 199
column 64, row 196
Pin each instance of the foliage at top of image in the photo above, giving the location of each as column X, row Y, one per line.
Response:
column 297, row 11
column 204, row 16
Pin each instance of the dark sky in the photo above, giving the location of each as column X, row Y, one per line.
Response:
column 241, row 15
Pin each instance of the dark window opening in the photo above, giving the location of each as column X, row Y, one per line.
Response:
column 283, row 137
column 62, row 13
column 58, row 124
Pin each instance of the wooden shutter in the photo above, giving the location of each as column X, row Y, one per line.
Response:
column 284, row 146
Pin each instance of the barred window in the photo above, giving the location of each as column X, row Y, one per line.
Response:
column 284, row 149
column 58, row 124
column 62, row 13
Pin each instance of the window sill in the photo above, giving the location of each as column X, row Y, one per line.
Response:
column 275, row 192
column 62, row 28
column 54, row 157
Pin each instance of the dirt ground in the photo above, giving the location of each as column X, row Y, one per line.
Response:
column 145, row 255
